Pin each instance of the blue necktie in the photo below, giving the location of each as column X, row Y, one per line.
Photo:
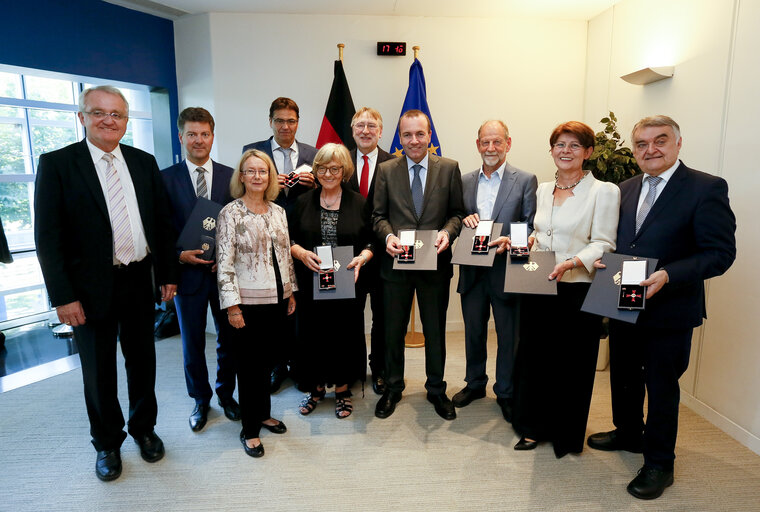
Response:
column 648, row 201
column 417, row 195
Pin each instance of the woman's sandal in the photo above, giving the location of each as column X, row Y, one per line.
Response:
column 343, row 404
column 310, row 401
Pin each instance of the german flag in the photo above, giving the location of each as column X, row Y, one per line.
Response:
column 336, row 125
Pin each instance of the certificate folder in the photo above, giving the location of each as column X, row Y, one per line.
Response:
column 344, row 278
column 602, row 297
column 425, row 252
column 200, row 228
column 531, row 275
column 463, row 254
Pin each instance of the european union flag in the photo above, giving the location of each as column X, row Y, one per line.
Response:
column 416, row 98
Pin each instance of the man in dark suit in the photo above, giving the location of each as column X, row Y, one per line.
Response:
column 420, row 191
column 102, row 228
column 199, row 176
column 288, row 155
column 502, row 193
column 681, row 217
column 367, row 128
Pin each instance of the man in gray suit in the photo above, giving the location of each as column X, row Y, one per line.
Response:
column 420, row 191
column 502, row 193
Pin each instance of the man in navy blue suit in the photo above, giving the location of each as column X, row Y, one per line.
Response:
column 199, row 176
column 681, row 217
column 288, row 155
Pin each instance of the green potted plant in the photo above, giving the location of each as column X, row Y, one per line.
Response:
column 611, row 160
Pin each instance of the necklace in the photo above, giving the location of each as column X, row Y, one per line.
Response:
column 327, row 205
column 560, row 187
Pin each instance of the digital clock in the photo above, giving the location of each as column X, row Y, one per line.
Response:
column 391, row 48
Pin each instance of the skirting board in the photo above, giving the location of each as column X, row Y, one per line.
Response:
column 744, row 437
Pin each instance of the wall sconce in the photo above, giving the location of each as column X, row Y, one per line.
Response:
column 649, row 75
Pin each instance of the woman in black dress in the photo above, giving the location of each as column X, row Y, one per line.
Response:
column 331, row 332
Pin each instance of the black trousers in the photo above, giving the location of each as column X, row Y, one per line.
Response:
column 130, row 318
column 373, row 286
column 433, row 300
column 651, row 359
column 254, row 346
column 555, row 367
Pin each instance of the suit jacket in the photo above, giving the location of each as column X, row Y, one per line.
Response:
column 442, row 208
column 73, row 229
column 515, row 202
column 690, row 229
column 306, row 156
column 182, row 199
column 353, row 183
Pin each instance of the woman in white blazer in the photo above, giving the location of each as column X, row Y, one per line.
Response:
column 576, row 217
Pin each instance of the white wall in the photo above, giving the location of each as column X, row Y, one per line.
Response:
column 713, row 96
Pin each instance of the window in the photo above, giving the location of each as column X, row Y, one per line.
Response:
column 38, row 114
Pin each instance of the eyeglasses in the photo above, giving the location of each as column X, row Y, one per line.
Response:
column 255, row 172
column 321, row 170
column 289, row 122
column 99, row 114
column 573, row 146
column 643, row 146
column 372, row 127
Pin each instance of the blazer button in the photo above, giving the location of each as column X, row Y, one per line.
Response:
column 633, row 245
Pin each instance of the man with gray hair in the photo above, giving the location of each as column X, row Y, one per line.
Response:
column 683, row 218
column 505, row 194
column 104, row 240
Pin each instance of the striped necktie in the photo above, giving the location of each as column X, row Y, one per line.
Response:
column 200, row 183
column 123, row 244
column 648, row 200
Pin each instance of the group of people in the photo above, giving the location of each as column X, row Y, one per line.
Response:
column 106, row 222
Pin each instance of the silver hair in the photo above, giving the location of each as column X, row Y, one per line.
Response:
column 659, row 120
column 110, row 89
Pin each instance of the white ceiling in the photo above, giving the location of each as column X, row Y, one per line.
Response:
column 556, row 9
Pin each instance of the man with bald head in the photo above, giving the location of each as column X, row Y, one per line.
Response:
column 502, row 193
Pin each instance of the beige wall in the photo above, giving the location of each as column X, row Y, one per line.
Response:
column 713, row 96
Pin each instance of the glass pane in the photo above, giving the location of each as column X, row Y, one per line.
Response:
column 51, row 115
column 12, row 148
column 9, row 111
column 50, row 138
column 10, row 85
column 16, row 201
column 22, row 290
column 139, row 134
column 49, row 89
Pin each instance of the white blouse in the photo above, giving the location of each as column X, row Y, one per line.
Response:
column 584, row 226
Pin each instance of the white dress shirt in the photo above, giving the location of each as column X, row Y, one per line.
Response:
column 371, row 163
column 660, row 186
column 193, row 169
column 139, row 241
column 279, row 156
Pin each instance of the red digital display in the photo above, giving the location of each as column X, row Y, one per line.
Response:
column 391, row 48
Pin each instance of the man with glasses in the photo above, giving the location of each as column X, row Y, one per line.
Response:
column 367, row 128
column 683, row 218
column 103, row 233
column 288, row 155
column 199, row 176
column 502, row 193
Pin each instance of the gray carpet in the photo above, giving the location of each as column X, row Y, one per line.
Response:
column 411, row 461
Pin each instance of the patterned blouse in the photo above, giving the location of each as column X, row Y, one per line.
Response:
column 244, row 255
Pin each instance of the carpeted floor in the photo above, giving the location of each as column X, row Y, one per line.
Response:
column 412, row 461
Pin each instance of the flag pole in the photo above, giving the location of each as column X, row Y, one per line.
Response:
column 340, row 51
column 416, row 51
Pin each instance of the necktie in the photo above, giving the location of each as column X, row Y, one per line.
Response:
column 417, row 196
column 364, row 185
column 200, row 184
column 123, row 245
column 648, row 201
column 287, row 166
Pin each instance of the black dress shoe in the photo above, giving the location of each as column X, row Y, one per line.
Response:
column 278, row 428
column 256, row 451
column 198, row 417
column 378, row 384
column 231, row 408
column 506, row 408
column 650, row 483
column 279, row 374
column 612, row 441
column 387, row 403
column 151, row 447
column 524, row 445
column 443, row 406
column 108, row 465
column 466, row 396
